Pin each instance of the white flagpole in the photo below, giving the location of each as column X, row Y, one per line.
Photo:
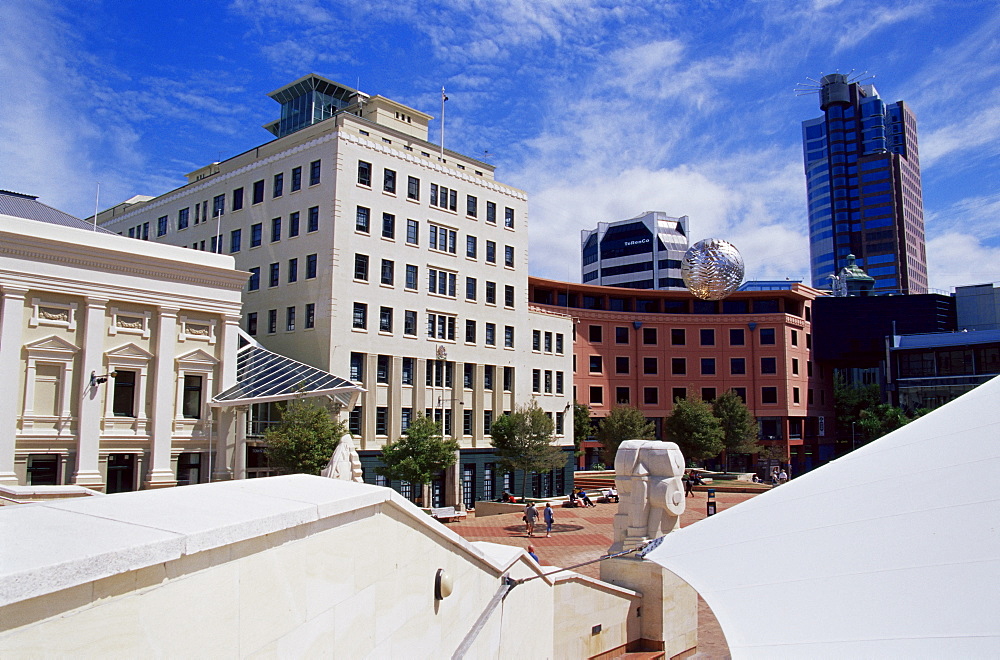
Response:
column 443, row 99
column 97, row 204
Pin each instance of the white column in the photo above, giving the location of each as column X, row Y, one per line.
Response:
column 11, row 340
column 89, row 440
column 230, row 424
column 239, row 459
column 165, row 401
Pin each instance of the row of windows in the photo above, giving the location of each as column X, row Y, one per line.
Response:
column 439, row 282
column 291, row 272
column 543, row 381
column 542, row 342
column 439, row 326
column 440, row 196
column 442, row 417
column 438, row 373
column 651, row 395
column 308, row 321
column 679, row 366
column 678, row 336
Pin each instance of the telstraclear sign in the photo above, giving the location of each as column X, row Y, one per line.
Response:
column 641, row 241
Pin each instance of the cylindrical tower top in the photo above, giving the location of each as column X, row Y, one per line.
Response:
column 836, row 89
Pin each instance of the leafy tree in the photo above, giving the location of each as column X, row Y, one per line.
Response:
column 419, row 454
column 523, row 441
column 621, row 424
column 739, row 427
column 695, row 429
column 304, row 440
column 583, row 428
column 881, row 419
column 848, row 402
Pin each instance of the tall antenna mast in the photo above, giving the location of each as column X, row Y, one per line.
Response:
column 443, row 99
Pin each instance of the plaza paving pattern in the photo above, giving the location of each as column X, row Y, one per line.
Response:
column 580, row 535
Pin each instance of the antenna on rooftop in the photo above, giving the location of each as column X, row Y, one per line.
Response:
column 813, row 86
column 444, row 98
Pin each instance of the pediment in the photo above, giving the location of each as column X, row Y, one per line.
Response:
column 197, row 357
column 51, row 344
column 129, row 351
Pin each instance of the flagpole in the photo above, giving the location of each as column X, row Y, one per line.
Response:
column 443, row 99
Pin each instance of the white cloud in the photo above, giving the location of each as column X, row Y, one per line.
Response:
column 956, row 259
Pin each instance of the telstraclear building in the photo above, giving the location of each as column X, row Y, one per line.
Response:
column 643, row 252
column 377, row 255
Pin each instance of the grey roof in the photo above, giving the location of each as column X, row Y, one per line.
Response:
column 29, row 208
column 944, row 339
column 266, row 376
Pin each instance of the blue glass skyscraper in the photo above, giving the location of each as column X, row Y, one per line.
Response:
column 863, row 186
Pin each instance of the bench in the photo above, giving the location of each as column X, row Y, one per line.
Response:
column 447, row 514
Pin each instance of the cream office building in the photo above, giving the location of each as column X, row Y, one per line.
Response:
column 379, row 256
column 110, row 353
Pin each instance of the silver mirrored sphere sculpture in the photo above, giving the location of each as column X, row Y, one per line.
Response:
column 712, row 269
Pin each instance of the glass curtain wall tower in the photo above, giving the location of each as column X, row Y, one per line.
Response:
column 863, row 184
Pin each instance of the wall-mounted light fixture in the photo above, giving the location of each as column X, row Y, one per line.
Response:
column 96, row 380
column 443, row 585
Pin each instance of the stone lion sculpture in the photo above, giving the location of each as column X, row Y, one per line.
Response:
column 648, row 478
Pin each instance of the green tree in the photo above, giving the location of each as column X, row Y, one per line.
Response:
column 621, row 424
column 419, row 454
column 881, row 419
column 739, row 427
column 304, row 440
column 848, row 402
column 583, row 428
column 523, row 441
column 695, row 429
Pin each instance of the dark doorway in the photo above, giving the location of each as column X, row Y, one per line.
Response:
column 121, row 473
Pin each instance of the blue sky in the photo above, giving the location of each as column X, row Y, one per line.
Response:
column 599, row 110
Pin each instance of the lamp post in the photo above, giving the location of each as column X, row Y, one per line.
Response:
column 853, row 442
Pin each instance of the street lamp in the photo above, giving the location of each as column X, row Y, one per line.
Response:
column 853, row 443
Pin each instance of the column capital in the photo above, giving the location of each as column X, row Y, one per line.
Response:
column 14, row 292
column 95, row 302
column 167, row 310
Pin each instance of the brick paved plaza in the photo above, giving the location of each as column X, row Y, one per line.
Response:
column 581, row 535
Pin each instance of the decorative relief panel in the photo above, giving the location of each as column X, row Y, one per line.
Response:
column 129, row 323
column 53, row 313
column 200, row 329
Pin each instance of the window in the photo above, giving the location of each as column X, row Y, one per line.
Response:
column 182, row 218
column 548, row 342
column 548, row 382
column 296, row 178
column 385, row 319
column 471, row 247
column 314, row 172
column 381, row 420
column 559, row 343
column 123, row 402
column 252, row 324
column 275, row 230
column 649, row 336
column 362, row 222
column 491, row 252
column 621, row 335
column 275, row 275
column 651, row 396
column 560, row 382
column 769, row 395
column 708, row 394
column 256, row 234
column 313, row 222
column 290, row 319
column 293, row 224
column 766, row 336
column 161, row 225
column 411, row 277
column 388, row 268
column 795, row 366
column 678, row 366
column 487, row 422
column 491, row 293
column 596, row 395
column 467, row 430
column 407, row 375
column 488, row 373
column 412, row 232
column 596, row 334
column 678, row 337
column 768, row 365
column 310, row 315
column 389, row 181
column 678, row 393
column 443, row 239
column 470, row 288
column 279, row 185
column 310, row 266
column 357, row 373
column 795, row 337
column 361, row 267
column 258, row 191
column 253, row 283
column 650, row 366
column 736, row 337
column 364, row 173
column 737, row 366
column 441, row 326
column 413, row 188
column 596, row 364
column 508, row 218
column 235, row 239
column 536, row 340
column 360, row 318
column 388, row 225
column 795, row 395
column 708, row 366
column 491, row 334
column 441, row 282
column 238, row 199
column 508, row 256
column 707, row 336
column 622, row 364
column 410, row 323
column 740, row 392
column 293, row 270
column 272, row 321
column 491, row 212
column 470, row 332
column 508, row 379
column 623, row 395
column 508, row 295
column 508, row 336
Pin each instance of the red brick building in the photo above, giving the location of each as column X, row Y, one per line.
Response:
column 647, row 347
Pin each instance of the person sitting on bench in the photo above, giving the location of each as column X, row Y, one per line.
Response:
column 612, row 494
column 573, row 502
column 582, row 496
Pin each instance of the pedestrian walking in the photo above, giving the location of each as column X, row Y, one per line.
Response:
column 688, row 485
column 530, row 516
column 549, row 516
column 782, row 477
